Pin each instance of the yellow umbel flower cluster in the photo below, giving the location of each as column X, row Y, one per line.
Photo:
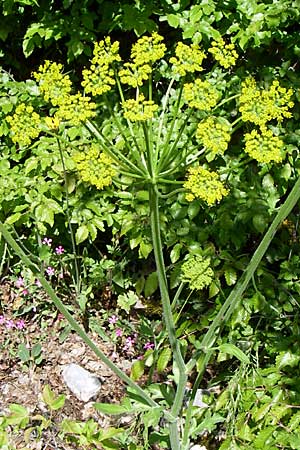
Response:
column 98, row 79
column 76, row 109
column 134, row 75
column 52, row 122
column 214, row 133
column 24, row 125
column 94, row 166
column 197, row 272
column 264, row 146
column 148, row 49
column 144, row 53
column 53, row 84
column 188, row 59
column 261, row 106
column 201, row 95
column 140, row 109
column 224, row 53
column 204, row 184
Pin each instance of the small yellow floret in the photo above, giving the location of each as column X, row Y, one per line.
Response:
column 204, row 184
column 24, row 124
column 52, row 122
column 76, row 109
column 259, row 106
column 264, row 146
column 224, row 53
column 134, row 75
column 214, row 133
column 139, row 110
column 148, row 49
column 201, row 95
column 53, row 84
column 99, row 78
column 188, row 59
column 95, row 167
column 105, row 52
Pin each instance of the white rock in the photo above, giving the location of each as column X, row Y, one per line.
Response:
column 82, row 383
column 198, row 447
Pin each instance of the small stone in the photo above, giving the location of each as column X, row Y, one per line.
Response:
column 81, row 382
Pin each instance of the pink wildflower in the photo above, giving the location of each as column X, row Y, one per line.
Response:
column 59, row 250
column 119, row 332
column 50, row 271
column 2, row 320
column 47, row 241
column 9, row 324
column 129, row 343
column 25, row 292
column 61, row 275
column 113, row 319
column 20, row 324
column 148, row 346
column 38, row 283
column 20, row 282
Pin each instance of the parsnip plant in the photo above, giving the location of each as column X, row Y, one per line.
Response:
column 163, row 125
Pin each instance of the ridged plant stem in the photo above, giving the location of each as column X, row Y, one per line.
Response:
column 168, row 318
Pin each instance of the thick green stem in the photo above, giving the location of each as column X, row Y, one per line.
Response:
column 167, row 313
column 77, row 284
column 233, row 300
column 60, row 306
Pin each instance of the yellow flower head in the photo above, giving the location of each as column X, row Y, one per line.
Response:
column 224, row 53
column 278, row 101
column 99, row 78
column 201, row 95
column 204, row 184
column 134, row 75
column 24, row 125
column 52, row 122
column 264, row 146
column 148, row 49
column 214, row 133
column 139, row 110
column 197, row 272
column 76, row 109
column 262, row 105
column 94, row 166
column 188, row 59
column 54, row 85
column 105, row 52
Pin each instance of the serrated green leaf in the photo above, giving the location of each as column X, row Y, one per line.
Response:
column 48, row 395
column 111, row 409
column 81, row 234
column 163, row 359
column 23, row 353
column 259, row 222
column 58, row 403
column 230, row 276
column 175, row 253
column 36, row 350
column 145, row 249
column 173, row 20
column 287, row 359
column 137, row 370
column 19, row 415
column 151, row 284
